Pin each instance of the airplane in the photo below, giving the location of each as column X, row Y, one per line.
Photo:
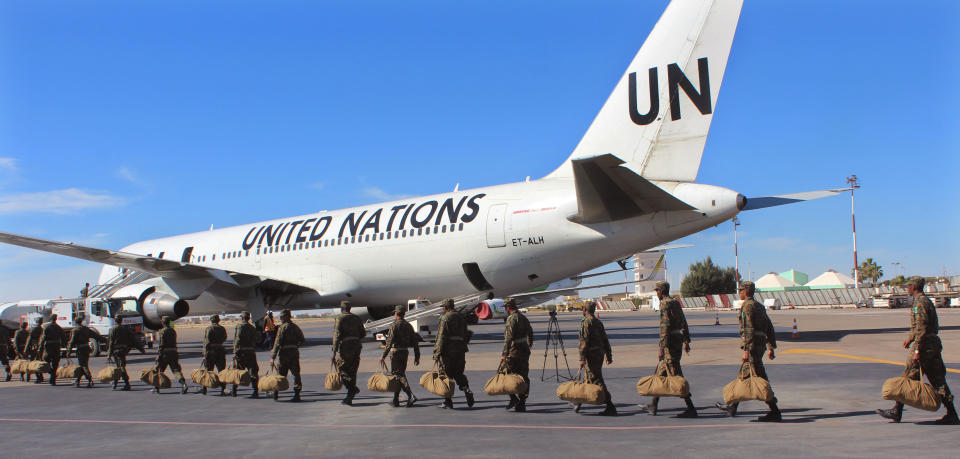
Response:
column 628, row 186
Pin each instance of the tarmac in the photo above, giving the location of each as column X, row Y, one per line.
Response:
column 828, row 383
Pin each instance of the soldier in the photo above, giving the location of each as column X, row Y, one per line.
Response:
column 517, row 341
column 33, row 346
column 926, row 355
column 594, row 346
column 347, row 332
column 287, row 348
column 756, row 329
column 400, row 338
column 214, row 355
column 674, row 339
column 20, row 339
column 51, row 340
column 84, row 292
column 119, row 342
column 167, row 355
column 245, row 352
column 5, row 349
column 450, row 350
column 80, row 338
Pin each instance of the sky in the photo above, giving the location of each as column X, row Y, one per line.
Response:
column 124, row 121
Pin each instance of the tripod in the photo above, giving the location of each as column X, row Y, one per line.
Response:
column 555, row 339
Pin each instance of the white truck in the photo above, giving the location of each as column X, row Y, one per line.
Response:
column 98, row 314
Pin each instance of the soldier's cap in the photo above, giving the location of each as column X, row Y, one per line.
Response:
column 285, row 313
column 448, row 303
column 215, row 318
column 917, row 282
column 400, row 309
column 591, row 307
column 662, row 286
column 345, row 304
column 510, row 303
column 166, row 320
column 747, row 285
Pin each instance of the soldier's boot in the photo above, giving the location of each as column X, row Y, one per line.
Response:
column 894, row 414
column 521, row 405
column 351, row 391
column 396, row 399
column 576, row 407
column 254, row 384
column 203, row 390
column 447, row 404
column 730, row 408
column 115, row 381
column 773, row 415
column 276, row 395
column 513, row 402
column 296, row 396
column 9, row 375
column 38, row 379
column 610, row 410
column 652, row 406
column 126, row 384
column 951, row 417
column 691, row 411
column 89, row 383
column 223, row 389
column 76, row 383
column 411, row 399
column 183, row 386
column 233, row 391
column 53, row 379
column 155, row 390
column 468, row 394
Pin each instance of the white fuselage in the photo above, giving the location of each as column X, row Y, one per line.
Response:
column 518, row 234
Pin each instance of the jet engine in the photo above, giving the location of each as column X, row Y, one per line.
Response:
column 156, row 305
column 491, row 309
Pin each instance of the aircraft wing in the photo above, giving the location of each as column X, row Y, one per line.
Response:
column 558, row 291
column 151, row 265
column 779, row 200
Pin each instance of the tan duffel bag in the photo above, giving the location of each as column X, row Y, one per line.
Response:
column 333, row 382
column 581, row 392
column 437, row 383
column 273, row 382
column 155, row 378
column 69, row 371
column 383, row 381
column 503, row 383
column 38, row 366
column 234, row 376
column 752, row 387
column 19, row 367
column 108, row 375
column 663, row 386
column 911, row 392
column 204, row 377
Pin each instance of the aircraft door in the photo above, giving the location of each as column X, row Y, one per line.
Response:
column 495, row 225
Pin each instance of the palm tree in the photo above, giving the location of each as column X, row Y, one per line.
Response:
column 869, row 269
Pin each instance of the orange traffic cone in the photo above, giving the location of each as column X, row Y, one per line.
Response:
column 796, row 331
column 718, row 317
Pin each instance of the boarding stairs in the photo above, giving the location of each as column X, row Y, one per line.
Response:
column 125, row 278
column 460, row 303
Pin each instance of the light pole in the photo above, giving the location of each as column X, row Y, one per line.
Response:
column 736, row 253
column 854, row 183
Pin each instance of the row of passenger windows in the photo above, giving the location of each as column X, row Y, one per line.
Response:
column 398, row 234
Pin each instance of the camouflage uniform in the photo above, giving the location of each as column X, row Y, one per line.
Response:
column 120, row 340
column 168, row 355
column 347, row 332
column 450, row 350
column 51, row 341
column 674, row 335
column 33, row 343
column 5, row 349
column 594, row 346
column 400, row 338
column 20, row 339
column 287, row 347
column 517, row 340
column 245, row 353
column 80, row 339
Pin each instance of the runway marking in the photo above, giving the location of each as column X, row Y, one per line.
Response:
column 835, row 353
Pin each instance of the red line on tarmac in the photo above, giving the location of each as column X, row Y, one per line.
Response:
column 368, row 426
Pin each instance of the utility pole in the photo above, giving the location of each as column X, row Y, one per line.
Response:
column 736, row 253
column 854, row 183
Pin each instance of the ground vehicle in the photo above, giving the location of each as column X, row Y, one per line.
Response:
column 424, row 324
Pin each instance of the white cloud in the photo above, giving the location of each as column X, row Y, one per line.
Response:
column 9, row 164
column 65, row 201
column 380, row 194
column 128, row 175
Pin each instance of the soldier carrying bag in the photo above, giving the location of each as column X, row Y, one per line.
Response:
column 235, row 376
column 436, row 382
column 205, row 377
column 664, row 386
column 752, row 387
column 69, row 371
column 581, row 392
column 333, row 382
column 383, row 381
column 505, row 384
column 273, row 382
column 155, row 378
column 911, row 392
column 108, row 374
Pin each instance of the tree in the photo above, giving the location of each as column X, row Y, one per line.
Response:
column 706, row 278
column 869, row 269
column 897, row 281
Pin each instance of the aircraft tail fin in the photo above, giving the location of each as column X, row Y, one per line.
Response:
column 657, row 118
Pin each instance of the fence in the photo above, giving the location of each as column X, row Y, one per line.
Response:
column 826, row 297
